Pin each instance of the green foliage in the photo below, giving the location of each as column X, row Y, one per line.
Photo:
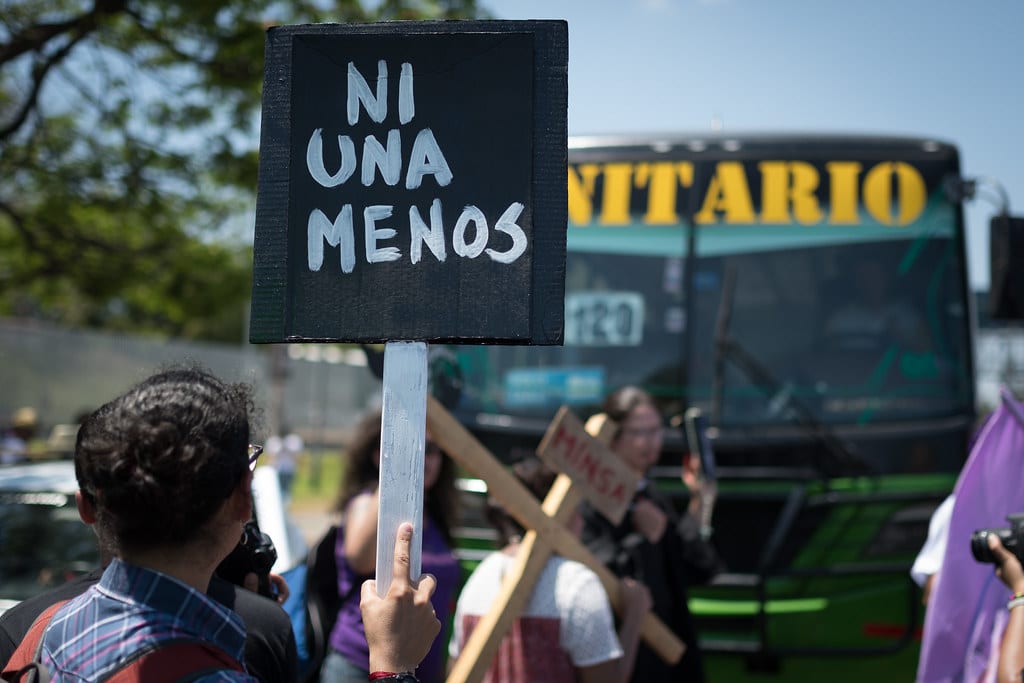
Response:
column 128, row 147
column 318, row 478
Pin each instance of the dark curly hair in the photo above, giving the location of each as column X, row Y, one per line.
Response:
column 162, row 458
column 361, row 474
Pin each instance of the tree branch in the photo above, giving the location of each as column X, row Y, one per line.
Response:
column 39, row 72
column 18, row 223
column 34, row 37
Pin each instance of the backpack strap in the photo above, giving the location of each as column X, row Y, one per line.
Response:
column 180, row 660
column 27, row 658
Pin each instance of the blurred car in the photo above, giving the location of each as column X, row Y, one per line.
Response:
column 44, row 543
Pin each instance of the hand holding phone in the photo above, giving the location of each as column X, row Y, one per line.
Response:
column 698, row 443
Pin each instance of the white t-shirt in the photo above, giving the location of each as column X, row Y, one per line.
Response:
column 929, row 559
column 567, row 623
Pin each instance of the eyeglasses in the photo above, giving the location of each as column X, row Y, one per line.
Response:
column 255, row 450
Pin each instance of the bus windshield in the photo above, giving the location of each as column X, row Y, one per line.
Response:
column 826, row 281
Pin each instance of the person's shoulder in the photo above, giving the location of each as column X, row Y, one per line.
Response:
column 490, row 570
column 257, row 611
column 564, row 565
column 17, row 619
column 270, row 650
column 574, row 587
column 496, row 561
column 253, row 607
column 16, row 622
column 571, row 577
column 361, row 505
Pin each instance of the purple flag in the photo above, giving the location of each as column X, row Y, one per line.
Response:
column 965, row 615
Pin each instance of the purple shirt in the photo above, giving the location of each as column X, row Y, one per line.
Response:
column 348, row 636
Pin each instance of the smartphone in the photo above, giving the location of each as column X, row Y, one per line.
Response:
column 698, row 442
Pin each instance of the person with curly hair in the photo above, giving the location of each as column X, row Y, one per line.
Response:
column 270, row 647
column 356, row 551
column 170, row 477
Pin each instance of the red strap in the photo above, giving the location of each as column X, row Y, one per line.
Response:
column 176, row 661
column 168, row 661
column 25, row 654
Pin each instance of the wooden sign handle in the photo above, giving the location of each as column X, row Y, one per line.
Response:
column 471, row 454
column 402, row 438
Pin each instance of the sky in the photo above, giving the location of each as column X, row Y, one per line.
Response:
column 945, row 69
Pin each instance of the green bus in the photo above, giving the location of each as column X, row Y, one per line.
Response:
column 808, row 294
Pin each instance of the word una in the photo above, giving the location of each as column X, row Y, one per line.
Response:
column 425, row 158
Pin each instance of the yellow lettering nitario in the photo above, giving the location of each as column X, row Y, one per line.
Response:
column 663, row 179
column 728, row 193
column 842, row 180
column 618, row 188
column 786, row 184
column 581, row 192
column 878, row 193
column 892, row 192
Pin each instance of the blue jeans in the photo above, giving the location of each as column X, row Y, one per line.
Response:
column 337, row 669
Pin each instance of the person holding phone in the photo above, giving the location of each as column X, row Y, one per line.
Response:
column 654, row 544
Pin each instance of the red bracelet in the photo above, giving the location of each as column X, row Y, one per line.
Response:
column 404, row 676
column 381, row 674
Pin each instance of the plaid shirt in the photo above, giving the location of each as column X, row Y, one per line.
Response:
column 130, row 608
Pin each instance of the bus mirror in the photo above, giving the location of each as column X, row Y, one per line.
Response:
column 1006, row 260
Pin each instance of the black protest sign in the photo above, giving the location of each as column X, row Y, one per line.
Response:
column 412, row 183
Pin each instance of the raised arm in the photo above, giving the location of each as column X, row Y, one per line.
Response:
column 361, row 533
column 401, row 626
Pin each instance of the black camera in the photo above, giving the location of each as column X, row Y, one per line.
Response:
column 255, row 553
column 1012, row 539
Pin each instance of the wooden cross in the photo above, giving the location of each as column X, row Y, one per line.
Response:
column 546, row 534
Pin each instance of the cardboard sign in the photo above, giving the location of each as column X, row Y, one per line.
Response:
column 603, row 479
column 412, row 183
